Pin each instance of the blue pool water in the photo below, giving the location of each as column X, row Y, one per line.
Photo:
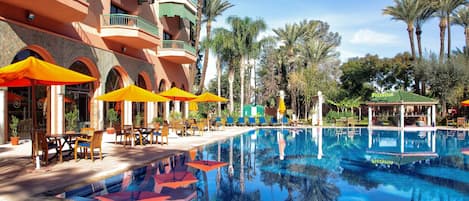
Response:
column 313, row 164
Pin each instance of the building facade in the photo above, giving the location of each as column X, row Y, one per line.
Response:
column 120, row 42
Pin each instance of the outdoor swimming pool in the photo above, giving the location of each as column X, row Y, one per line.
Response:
column 312, row 164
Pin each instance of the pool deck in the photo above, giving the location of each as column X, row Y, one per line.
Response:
column 19, row 180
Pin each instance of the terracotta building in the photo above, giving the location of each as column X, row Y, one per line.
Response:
column 120, row 42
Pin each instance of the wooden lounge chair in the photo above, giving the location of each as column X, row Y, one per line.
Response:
column 46, row 144
column 164, row 134
column 91, row 143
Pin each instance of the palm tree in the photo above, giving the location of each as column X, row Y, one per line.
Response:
column 220, row 48
column 289, row 36
column 444, row 10
column 193, row 71
column 461, row 17
column 427, row 11
column 406, row 11
column 213, row 9
column 245, row 32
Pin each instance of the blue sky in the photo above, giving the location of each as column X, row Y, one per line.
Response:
column 360, row 23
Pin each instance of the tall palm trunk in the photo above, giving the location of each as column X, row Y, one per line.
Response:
column 193, row 71
column 449, row 34
column 466, row 34
column 218, row 64
column 241, row 75
column 442, row 26
column 410, row 32
column 420, row 83
column 206, row 56
column 230, row 82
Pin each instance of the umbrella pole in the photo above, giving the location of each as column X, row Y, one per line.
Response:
column 34, row 118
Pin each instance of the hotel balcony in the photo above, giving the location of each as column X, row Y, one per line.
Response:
column 192, row 4
column 129, row 30
column 176, row 51
column 65, row 11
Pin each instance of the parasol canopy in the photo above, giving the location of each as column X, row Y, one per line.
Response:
column 206, row 165
column 465, row 103
column 209, row 97
column 281, row 106
column 177, row 94
column 132, row 93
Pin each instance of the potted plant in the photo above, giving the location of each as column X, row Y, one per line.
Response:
column 14, row 138
column 157, row 122
column 71, row 119
column 112, row 118
column 138, row 120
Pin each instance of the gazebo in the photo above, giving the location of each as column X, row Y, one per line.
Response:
column 401, row 109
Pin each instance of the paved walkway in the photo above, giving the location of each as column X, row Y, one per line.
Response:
column 19, row 180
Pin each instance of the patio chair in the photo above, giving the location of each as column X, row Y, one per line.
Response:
column 241, row 121
column 164, row 134
column 126, row 135
column 461, row 121
column 252, row 121
column 273, row 121
column 229, row 121
column 218, row 122
column 262, row 121
column 92, row 143
column 45, row 144
column 201, row 127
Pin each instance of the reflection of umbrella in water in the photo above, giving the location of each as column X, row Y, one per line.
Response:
column 204, row 165
column 465, row 151
column 32, row 72
column 11, row 97
column 281, row 145
column 175, row 179
column 132, row 195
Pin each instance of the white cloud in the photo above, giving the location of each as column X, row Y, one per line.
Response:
column 370, row 37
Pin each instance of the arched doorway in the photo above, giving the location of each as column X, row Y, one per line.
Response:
column 114, row 81
column 20, row 101
column 138, row 108
column 80, row 95
column 161, row 105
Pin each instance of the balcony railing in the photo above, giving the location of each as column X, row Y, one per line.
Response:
column 177, row 44
column 131, row 21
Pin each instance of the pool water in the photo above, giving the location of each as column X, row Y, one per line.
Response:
column 349, row 164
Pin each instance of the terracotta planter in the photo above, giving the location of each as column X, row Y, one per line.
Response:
column 14, row 140
column 110, row 130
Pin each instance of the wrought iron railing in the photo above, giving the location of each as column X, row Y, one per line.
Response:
column 131, row 21
column 178, row 44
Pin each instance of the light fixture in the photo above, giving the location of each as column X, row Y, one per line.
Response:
column 123, row 49
column 30, row 17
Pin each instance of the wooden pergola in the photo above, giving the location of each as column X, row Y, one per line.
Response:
column 405, row 108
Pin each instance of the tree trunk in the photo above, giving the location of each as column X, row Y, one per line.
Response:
column 193, row 71
column 466, row 34
column 206, row 56
column 442, row 38
column 230, row 81
column 449, row 34
column 410, row 31
column 219, row 83
column 443, row 108
column 418, row 33
column 241, row 76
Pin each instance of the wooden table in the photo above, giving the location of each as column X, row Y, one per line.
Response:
column 68, row 139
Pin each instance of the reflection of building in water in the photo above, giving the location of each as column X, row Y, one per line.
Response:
column 399, row 147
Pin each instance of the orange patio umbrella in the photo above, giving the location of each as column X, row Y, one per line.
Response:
column 193, row 106
column 465, row 103
column 177, row 94
column 32, row 71
column 175, row 179
column 131, row 93
column 133, row 195
column 209, row 97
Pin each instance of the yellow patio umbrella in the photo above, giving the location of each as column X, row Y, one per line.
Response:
column 465, row 103
column 193, row 106
column 209, row 97
column 281, row 106
column 132, row 93
column 31, row 72
column 177, row 94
